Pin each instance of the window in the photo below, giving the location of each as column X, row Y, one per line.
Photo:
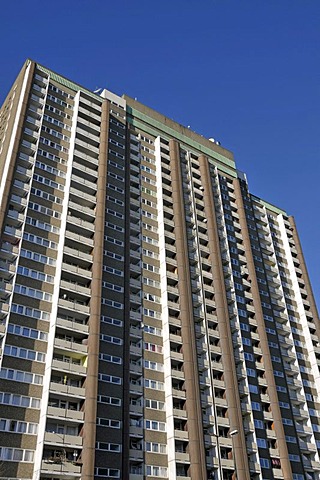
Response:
column 151, row 313
column 150, row 240
column 105, row 357
column 25, row 331
column 110, row 339
column 30, row 237
column 58, row 101
column 115, row 188
column 116, row 402
column 110, row 379
column 154, row 425
column 154, row 404
column 44, row 210
column 37, row 257
column 116, row 154
column 54, row 145
column 270, row 330
column 114, row 240
column 57, row 111
column 151, row 282
column 258, row 423
column 152, row 330
column 114, row 227
column 54, row 133
column 155, row 385
column 29, row 312
column 112, row 286
column 111, row 321
column 275, row 359
column 261, row 442
column 114, row 271
column 33, row 293
column 152, row 347
column 14, row 351
column 153, row 365
column 294, row 458
column 19, row 400
column 117, row 144
column 264, row 463
column 291, row 439
column 248, row 356
column 14, row 426
column 116, row 256
column 107, row 472
column 42, row 225
column 115, row 200
column 114, row 213
column 109, row 447
column 112, row 303
column 115, row 176
column 54, row 121
column 115, row 164
column 108, row 422
column 16, row 455
column 256, row 406
column 287, row 421
column 156, row 447
column 20, row 376
column 253, row 388
column 157, row 471
column 244, row 327
column 145, row 201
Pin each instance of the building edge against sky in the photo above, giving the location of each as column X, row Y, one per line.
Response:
column 157, row 319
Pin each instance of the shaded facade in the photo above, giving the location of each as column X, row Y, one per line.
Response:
column 156, row 318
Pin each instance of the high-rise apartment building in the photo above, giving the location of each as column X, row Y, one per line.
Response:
column 156, row 318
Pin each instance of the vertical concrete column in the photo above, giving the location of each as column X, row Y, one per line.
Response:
column 229, row 367
column 91, row 385
column 24, row 82
column 126, row 331
column 305, row 276
column 198, row 470
column 272, row 389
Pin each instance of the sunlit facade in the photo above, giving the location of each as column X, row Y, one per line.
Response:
column 156, row 318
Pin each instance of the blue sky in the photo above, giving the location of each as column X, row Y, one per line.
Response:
column 246, row 72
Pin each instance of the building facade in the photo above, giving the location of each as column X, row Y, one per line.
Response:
column 156, row 318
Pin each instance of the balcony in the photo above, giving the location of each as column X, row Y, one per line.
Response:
column 81, row 224
column 88, row 114
column 91, row 199
column 72, row 326
column 63, row 439
column 70, row 346
column 4, row 310
column 12, row 232
column 181, row 435
column 80, row 144
column 74, row 287
column 77, row 270
column 65, row 469
column 67, row 367
column 68, row 390
column 184, row 458
column 74, row 307
column 65, row 414
column 5, row 290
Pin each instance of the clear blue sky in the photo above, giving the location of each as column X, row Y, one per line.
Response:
column 246, row 72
